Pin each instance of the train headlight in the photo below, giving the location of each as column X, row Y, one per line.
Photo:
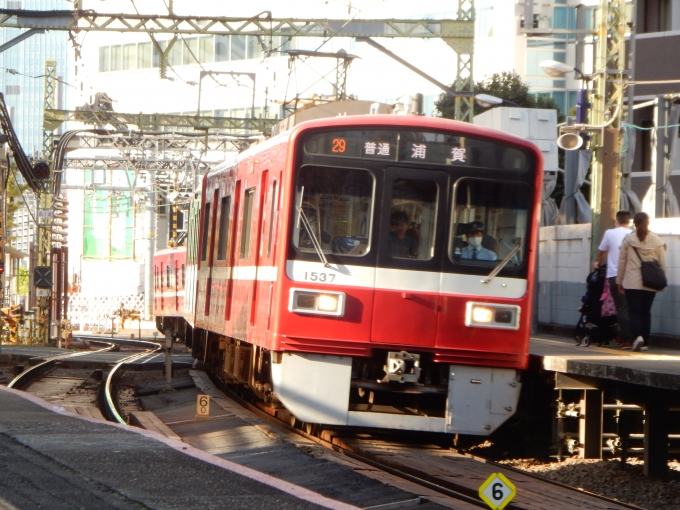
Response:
column 328, row 303
column 487, row 315
column 318, row 303
column 481, row 314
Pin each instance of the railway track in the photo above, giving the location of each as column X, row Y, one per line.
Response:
column 442, row 470
column 77, row 389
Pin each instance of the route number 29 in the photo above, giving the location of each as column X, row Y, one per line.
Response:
column 319, row 277
column 203, row 405
column 339, row 145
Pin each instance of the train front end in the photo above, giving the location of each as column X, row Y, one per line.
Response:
column 406, row 299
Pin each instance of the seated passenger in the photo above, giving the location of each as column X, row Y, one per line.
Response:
column 399, row 244
column 474, row 233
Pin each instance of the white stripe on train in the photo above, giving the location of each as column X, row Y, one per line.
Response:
column 378, row 278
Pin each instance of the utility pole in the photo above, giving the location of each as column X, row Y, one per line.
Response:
column 610, row 63
column 151, row 242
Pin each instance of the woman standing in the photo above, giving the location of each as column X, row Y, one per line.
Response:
column 650, row 247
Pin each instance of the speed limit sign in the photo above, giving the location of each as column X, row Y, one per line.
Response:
column 497, row 491
column 202, row 406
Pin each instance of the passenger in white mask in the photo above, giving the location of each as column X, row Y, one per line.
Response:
column 474, row 233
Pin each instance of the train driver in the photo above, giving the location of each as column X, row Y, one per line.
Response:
column 399, row 242
column 474, row 233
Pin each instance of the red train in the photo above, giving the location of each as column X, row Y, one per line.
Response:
column 372, row 271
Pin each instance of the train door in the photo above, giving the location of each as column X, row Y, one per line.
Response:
column 210, row 249
column 411, row 244
column 259, row 234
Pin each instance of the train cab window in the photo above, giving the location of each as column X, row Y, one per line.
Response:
column 206, row 230
column 333, row 209
column 223, row 241
column 246, row 226
column 184, row 268
column 168, row 280
column 490, row 222
column 413, row 213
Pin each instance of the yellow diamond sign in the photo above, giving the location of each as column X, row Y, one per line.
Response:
column 497, row 491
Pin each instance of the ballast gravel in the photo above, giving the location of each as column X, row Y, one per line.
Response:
column 611, row 479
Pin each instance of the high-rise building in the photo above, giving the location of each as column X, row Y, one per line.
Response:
column 22, row 69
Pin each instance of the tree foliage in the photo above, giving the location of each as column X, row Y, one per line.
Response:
column 505, row 85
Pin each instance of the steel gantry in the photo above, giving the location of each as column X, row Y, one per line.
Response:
column 457, row 33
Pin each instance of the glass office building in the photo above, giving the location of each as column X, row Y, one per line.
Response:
column 22, row 69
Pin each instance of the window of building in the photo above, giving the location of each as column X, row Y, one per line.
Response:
column 104, row 59
column 13, row 90
column 116, row 58
column 144, row 55
column 190, row 51
column 254, row 49
column 130, row 56
column 238, row 47
column 206, row 49
column 222, row 48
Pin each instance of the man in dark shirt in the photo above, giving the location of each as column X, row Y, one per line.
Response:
column 399, row 243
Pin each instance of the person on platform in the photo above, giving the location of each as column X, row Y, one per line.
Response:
column 609, row 251
column 474, row 233
column 629, row 277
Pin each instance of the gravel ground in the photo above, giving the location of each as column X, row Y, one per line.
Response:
column 606, row 477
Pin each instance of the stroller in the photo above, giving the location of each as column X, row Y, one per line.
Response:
column 598, row 323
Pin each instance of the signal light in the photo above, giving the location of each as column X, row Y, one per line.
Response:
column 2, row 267
column 41, row 170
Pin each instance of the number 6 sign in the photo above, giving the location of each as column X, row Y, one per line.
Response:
column 497, row 491
column 202, row 406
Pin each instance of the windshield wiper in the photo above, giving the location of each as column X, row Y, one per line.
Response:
column 312, row 236
column 503, row 263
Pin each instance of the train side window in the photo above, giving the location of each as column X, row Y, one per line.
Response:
column 246, row 227
column 223, row 242
column 206, row 230
column 274, row 200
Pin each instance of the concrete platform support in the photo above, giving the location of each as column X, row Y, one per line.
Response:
column 590, row 424
column 656, row 438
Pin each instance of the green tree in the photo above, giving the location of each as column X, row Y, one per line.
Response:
column 22, row 282
column 505, row 85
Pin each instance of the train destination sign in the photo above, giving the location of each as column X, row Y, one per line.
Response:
column 417, row 147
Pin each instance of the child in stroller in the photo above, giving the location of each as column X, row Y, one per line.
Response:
column 598, row 322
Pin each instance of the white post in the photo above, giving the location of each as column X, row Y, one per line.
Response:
column 168, row 360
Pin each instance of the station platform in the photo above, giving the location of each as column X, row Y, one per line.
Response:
column 656, row 368
column 634, row 382
column 85, row 463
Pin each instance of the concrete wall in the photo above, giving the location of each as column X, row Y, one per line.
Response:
column 564, row 263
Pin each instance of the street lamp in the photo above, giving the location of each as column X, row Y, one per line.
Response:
column 556, row 69
column 487, row 101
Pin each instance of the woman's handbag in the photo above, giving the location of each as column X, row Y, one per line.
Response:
column 653, row 276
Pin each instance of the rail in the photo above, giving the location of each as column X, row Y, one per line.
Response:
column 28, row 377
column 107, row 403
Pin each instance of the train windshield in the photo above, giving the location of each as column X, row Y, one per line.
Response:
column 333, row 210
column 490, row 222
